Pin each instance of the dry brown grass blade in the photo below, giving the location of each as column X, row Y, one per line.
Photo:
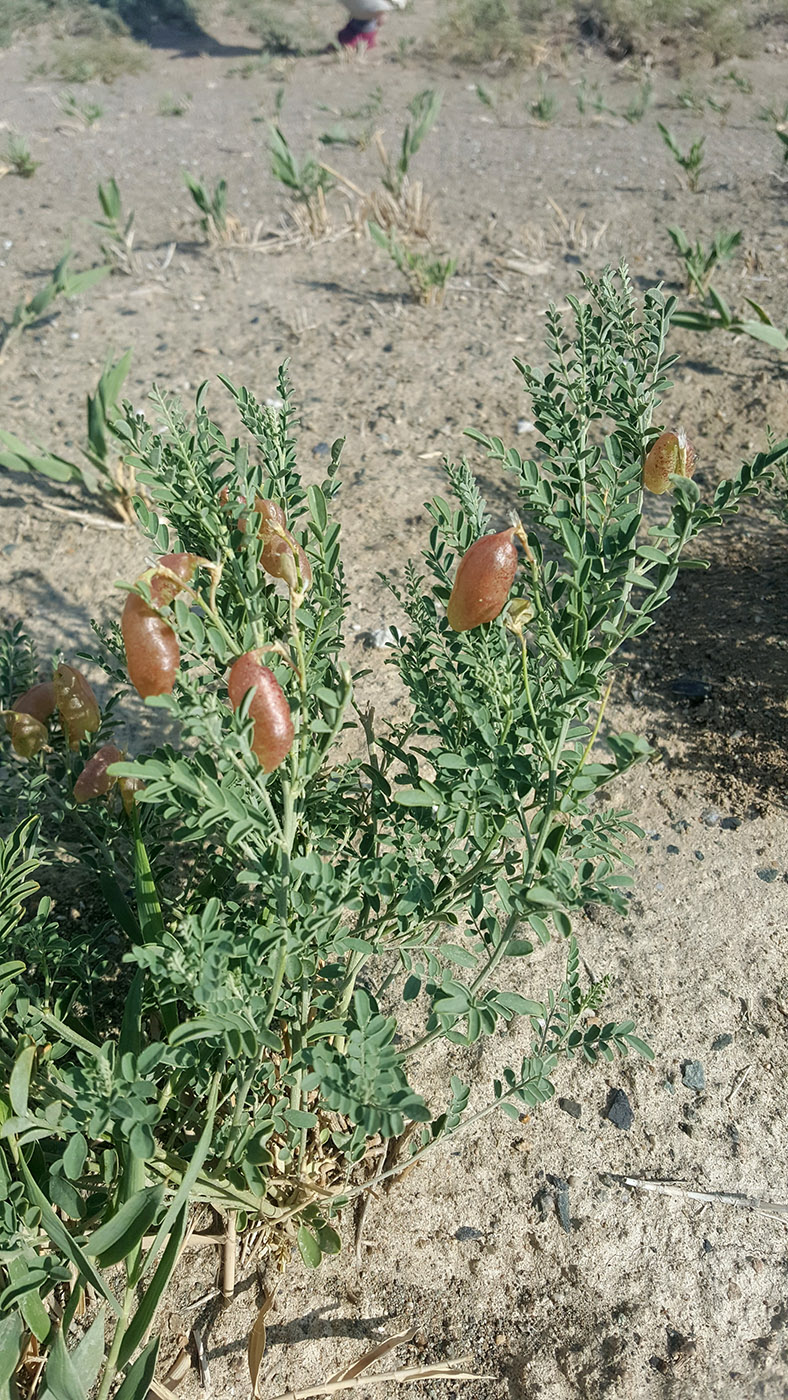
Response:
column 349, row 1373
column 158, row 1391
column 443, row 1371
column 257, row 1338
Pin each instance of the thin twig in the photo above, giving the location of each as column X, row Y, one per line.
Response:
column 202, row 1359
column 443, row 1372
column 228, row 1258
column 81, row 517
column 721, row 1198
column 738, row 1082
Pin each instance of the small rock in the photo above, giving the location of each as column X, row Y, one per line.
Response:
column 768, row 874
column 721, row 1041
column 543, row 1201
column 561, row 1189
column 730, row 823
column 710, row 816
column 321, row 449
column 692, row 1075
column 619, row 1110
column 690, row 688
column 708, row 1247
column 699, row 855
column 379, row 638
column 672, row 850
column 680, row 826
column 467, row 1232
column 524, row 425
column 571, row 1107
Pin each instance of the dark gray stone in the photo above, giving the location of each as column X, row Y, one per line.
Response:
column 768, row 874
column 619, row 1110
column 721, row 1041
column 571, row 1107
column 692, row 1075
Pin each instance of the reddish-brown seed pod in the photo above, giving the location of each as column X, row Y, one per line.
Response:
column 94, row 780
column 76, row 703
column 482, row 582
column 152, row 651
column 671, row 454
column 273, row 724
column 39, row 701
column 163, row 589
column 28, row 734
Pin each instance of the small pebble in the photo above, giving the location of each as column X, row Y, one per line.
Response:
column 699, row 855
column 680, row 826
column 710, row 816
column 672, row 850
column 721, row 1041
column 467, row 1232
column 692, row 1075
column 768, row 874
column 381, row 637
column 730, row 823
column 524, row 425
column 321, row 449
column 619, row 1110
column 690, row 688
column 571, row 1107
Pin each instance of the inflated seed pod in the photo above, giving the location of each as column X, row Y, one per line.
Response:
column 484, row 577
column 94, row 780
column 273, row 724
column 671, row 454
column 40, row 701
column 76, row 704
column 28, row 734
column 152, row 651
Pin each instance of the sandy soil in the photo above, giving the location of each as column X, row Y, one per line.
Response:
column 644, row 1295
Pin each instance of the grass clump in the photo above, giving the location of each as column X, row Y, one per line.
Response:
column 491, row 31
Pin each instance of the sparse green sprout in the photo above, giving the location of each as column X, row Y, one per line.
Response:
column 691, row 161
column 699, row 260
column 174, row 104
column 545, row 105
column 782, row 136
column 640, row 103
column 739, row 80
column 424, row 111
column 307, row 179
column 212, row 207
column 117, row 227
column 103, row 472
column 17, row 156
column 88, row 113
column 778, row 116
column 590, row 97
column 62, row 283
column 717, row 315
column 427, row 276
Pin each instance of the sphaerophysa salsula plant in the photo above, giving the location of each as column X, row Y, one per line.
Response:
column 101, row 471
column 292, row 937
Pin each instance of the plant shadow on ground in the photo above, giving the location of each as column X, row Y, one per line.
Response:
column 714, row 671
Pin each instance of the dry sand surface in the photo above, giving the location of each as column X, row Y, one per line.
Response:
column 518, row 1246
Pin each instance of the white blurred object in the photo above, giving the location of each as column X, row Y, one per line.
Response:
column 368, row 9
